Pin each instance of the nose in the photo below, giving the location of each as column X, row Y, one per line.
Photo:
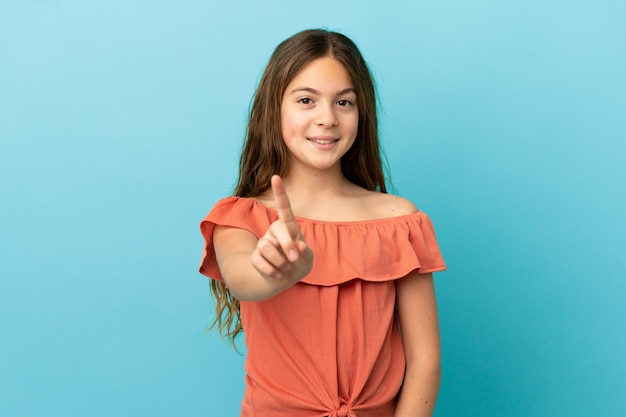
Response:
column 326, row 116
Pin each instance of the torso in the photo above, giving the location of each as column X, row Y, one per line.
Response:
column 357, row 366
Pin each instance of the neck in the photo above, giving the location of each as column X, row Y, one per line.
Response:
column 316, row 183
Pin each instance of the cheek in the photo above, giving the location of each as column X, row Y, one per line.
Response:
column 354, row 125
column 291, row 125
column 285, row 128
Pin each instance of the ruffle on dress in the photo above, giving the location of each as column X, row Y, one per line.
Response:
column 373, row 250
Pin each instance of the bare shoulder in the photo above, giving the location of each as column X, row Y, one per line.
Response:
column 389, row 205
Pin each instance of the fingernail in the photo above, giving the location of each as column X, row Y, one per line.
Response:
column 293, row 255
column 278, row 275
column 287, row 267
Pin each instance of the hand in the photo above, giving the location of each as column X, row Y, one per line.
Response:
column 282, row 253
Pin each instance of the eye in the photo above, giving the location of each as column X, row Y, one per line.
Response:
column 305, row 100
column 344, row 103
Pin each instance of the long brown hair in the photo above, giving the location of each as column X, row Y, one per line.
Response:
column 265, row 153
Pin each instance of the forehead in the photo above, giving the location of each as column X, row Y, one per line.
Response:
column 323, row 74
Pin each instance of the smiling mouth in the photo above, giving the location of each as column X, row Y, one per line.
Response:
column 323, row 141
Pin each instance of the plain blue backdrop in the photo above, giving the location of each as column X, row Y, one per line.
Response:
column 120, row 126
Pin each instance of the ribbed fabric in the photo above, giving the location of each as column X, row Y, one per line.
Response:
column 329, row 345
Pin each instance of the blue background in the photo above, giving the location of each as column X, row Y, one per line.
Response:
column 120, row 126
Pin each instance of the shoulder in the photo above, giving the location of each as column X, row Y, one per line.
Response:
column 238, row 212
column 266, row 200
column 389, row 205
column 231, row 204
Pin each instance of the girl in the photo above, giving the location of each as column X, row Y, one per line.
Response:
column 328, row 275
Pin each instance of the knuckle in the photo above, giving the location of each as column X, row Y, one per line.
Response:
column 265, row 243
column 262, row 244
column 256, row 258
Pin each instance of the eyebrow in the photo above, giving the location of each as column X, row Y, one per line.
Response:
column 314, row 91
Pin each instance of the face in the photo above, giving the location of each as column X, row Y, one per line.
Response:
column 319, row 115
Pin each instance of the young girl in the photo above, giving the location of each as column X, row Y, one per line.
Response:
column 328, row 276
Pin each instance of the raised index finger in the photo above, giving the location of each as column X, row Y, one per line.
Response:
column 283, row 208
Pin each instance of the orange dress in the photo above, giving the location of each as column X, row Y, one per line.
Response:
column 329, row 345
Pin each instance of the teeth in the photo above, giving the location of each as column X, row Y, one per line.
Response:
column 323, row 142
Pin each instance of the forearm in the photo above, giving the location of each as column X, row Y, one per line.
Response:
column 419, row 390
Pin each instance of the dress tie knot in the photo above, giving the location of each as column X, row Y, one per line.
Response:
column 343, row 411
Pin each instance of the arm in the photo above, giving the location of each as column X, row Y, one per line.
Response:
column 257, row 269
column 417, row 314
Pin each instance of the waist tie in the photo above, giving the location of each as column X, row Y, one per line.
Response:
column 343, row 411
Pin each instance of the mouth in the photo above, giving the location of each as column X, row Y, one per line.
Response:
column 323, row 140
